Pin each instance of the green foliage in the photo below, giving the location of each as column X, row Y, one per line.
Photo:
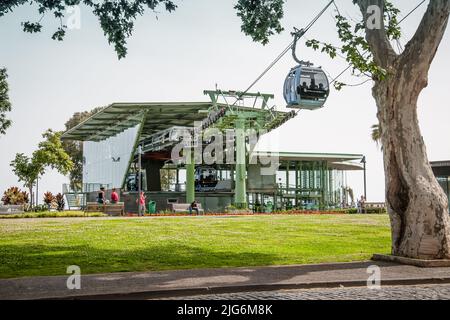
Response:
column 41, row 211
column 59, row 34
column 31, row 27
column 5, row 104
column 167, row 211
column 39, row 208
column 27, row 170
column 391, row 17
column 376, row 133
column 339, row 85
column 116, row 17
column 367, row 211
column 51, row 153
column 260, row 18
column 325, row 47
column 15, row 196
column 355, row 47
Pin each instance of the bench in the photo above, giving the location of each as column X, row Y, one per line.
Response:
column 184, row 207
column 378, row 206
column 93, row 207
column 11, row 209
column 112, row 209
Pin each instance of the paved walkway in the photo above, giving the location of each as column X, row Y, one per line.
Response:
column 424, row 292
column 144, row 285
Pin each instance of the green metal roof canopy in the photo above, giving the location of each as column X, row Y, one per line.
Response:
column 338, row 161
column 155, row 117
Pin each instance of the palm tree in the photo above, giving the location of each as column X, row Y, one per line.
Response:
column 376, row 133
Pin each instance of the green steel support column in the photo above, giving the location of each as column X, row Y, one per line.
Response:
column 190, row 177
column 330, row 186
column 296, row 184
column 325, row 179
column 240, row 192
column 287, row 199
column 322, row 184
column 288, row 163
column 333, row 198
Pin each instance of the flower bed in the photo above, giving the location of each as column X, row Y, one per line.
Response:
column 293, row 212
column 53, row 214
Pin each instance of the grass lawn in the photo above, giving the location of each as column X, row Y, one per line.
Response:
column 30, row 247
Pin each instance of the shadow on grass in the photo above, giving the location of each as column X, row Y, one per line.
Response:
column 38, row 260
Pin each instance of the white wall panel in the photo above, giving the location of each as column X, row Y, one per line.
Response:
column 106, row 161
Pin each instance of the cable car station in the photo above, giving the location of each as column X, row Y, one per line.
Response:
column 124, row 139
column 159, row 148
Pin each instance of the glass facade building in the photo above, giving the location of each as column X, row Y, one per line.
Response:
column 106, row 162
column 441, row 170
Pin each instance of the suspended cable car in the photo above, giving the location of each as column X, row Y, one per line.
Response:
column 306, row 86
column 205, row 178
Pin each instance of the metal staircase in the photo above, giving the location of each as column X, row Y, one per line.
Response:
column 75, row 200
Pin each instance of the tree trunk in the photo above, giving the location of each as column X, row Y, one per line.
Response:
column 417, row 205
column 30, row 190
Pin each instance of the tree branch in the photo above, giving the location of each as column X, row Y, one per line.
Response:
column 377, row 39
column 422, row 47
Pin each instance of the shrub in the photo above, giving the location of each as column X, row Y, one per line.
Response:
column 53, row 214
column 368, row 211
column 375, row 210
column 15, row 196
column 60, row 202
column 40, row 208
column 48, row 198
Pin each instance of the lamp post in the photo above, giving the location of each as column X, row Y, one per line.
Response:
column 139, row 179
column 363, row 161
column 37, row 191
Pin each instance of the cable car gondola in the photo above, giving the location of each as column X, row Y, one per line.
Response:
column 306, row 86
column 205, row 178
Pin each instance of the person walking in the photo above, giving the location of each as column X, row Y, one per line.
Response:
column 363, row 204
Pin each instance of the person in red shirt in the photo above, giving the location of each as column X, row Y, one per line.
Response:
column 141, row 200
column 114, row 196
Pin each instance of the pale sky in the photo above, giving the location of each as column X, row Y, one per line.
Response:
column 177, row 56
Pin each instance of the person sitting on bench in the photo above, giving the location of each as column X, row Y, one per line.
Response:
column 114, row 196
column 101, row 196
column 193, row 206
